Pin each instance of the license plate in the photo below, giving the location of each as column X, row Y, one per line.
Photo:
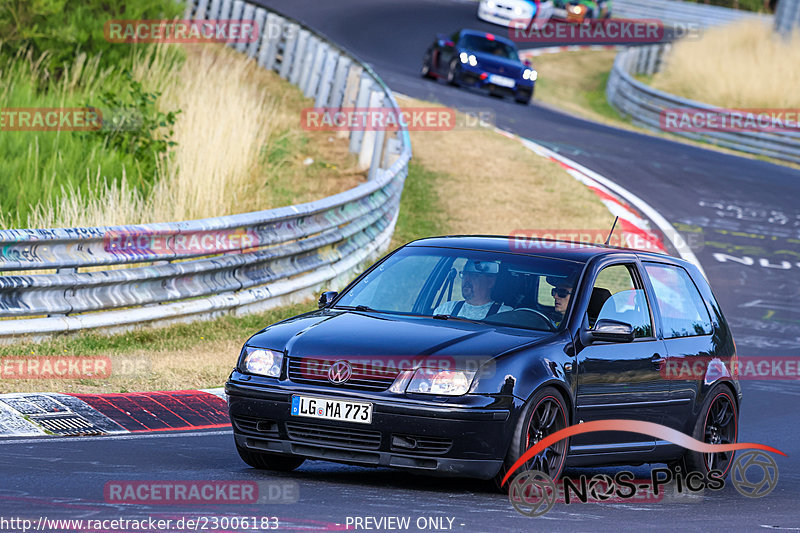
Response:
column 501, row 81
column 326, row 409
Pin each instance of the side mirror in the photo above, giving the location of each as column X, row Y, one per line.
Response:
column 327, row 298
column 608, row 330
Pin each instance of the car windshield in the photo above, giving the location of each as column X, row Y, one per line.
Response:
column 502, row 289
column 487, row 46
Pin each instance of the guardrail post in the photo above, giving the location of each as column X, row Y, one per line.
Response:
column 247, row 15
column 260, row 17
column 361, row 103
column 236, row 15
column 394, row 147
column 225, row 10
column 369, row 143
column 325, row 80
column 269, row 41
column 339, row 82
column 655, row 52
column 380, row 139
column 299, row 56
column 313, row 84
column 187, row 13
column 308, row 63
column 287, row 57
column 787, row 16
column 213, row 11
column 200, row 12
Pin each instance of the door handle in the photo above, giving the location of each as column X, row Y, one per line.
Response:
column 657, row 361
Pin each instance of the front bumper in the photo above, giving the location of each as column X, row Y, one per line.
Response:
column 446, row 439
column 471, row 77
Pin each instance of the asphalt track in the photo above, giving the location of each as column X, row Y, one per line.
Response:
column 742, row 208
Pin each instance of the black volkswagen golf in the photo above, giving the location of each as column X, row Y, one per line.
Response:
column 454, row 355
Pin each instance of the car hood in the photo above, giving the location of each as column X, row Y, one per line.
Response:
column 498, row 65
column 334, row 334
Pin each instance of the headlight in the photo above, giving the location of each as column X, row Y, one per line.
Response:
column 530, row 75
column 464, row 57
column 473, row 61
column 444, row 382
column 577, row 10
column 263, row 362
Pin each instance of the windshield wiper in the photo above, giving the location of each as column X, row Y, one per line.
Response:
column 357, row 308
column 460, row 319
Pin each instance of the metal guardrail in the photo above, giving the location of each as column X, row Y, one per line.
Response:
column 674, row 12
column 644, row 105
column 239, row 263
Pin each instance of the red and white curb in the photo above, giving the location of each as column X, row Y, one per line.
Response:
column 41, row 414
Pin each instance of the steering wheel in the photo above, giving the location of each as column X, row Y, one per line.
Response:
column 543, row 316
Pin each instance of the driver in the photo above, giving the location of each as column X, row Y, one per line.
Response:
column 477, row 280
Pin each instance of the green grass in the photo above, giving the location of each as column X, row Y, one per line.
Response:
column 596, row 99
column 744, row 5
column 38, row 166
column 421, row 214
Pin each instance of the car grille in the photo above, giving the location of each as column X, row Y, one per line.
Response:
column 335, row 436
column 365, row 376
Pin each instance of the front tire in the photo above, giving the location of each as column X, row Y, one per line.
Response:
column 269, row 461
column 718, row 423
column 544, row 414
column 425, row 71
column 452, row 73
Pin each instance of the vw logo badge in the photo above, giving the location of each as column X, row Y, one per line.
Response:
column 340, row 372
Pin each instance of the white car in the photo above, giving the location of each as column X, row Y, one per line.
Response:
column 516, row 13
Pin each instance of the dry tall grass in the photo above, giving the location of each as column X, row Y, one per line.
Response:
column 239, row 148
column 495, row 185
column 744, row 65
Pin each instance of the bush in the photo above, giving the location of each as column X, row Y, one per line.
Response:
column 64, row 28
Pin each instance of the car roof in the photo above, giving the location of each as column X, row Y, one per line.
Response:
column 483, row 34
column 576, row 251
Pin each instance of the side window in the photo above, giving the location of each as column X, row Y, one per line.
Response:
column 617, row 295
column 683, row 311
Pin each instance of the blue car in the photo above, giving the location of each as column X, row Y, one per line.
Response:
column 480, row 60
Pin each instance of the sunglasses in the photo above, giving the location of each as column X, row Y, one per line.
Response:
column 561, row 293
